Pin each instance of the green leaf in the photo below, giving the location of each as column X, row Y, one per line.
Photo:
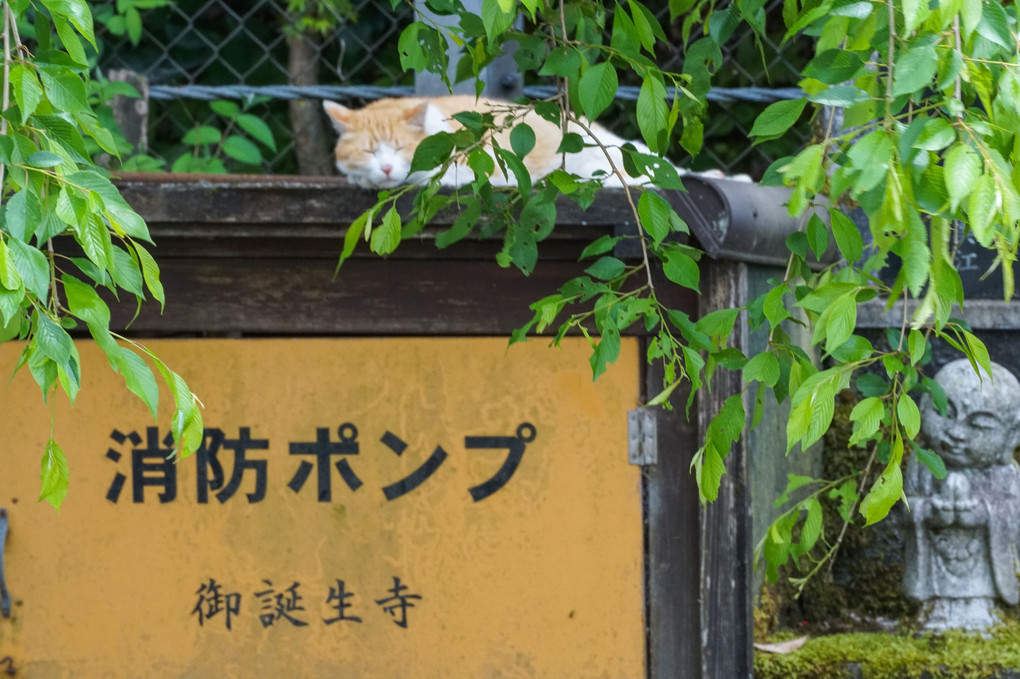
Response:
column 386, row 237
column 125, row 271
column 932, row 461
column 77, row 12
column 432, row 151
column 52, row 340
column 23, row 214
column 495, row 19
column 718, row 323
column 9, row 276
column 837, row 322
column 133, row 25
column 917, row 345
column 151, row 272
column 709, row 473
column 27, row 91
column 518, row 169
column 914, row 12
column 257, row 129
column 854, row 350
column 812, row 528
column 72, row 44
column 466, row 220
column 562, row 61
column 908, row 415
column 139, row 378
column 33, row 266
column 962, row 169
column 915, row 68
column 598, row 88
column 867, row 417
column 409, row 46
column 883, row 495
column 606, row 351
column 970, row 13
column 44, row 159
column 64, row 88
column 871, row 156
column 847, row 235
column 84, row 303
column 652, row 112
column 202, row 135
column 978, row 353
column 981, row 209
column 522, row 139
column 841, row 96
column 777, row 118
column 818, row 236
column 793, row 483
column 242, row 150
column 835, row 66
column 225, row 108
column 606, row 268
column 763, row 367
column 936, row 135
column 680, row 268
column 657, row 216
column 994, row 26
column 54, row 475
column 600, row 245
column 94, row 238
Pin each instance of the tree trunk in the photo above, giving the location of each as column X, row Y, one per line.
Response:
column 311, row 145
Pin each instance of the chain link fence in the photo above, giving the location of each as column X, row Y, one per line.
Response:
column 266, row 45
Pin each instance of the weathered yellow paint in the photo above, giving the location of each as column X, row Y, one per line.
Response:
column 541, row 579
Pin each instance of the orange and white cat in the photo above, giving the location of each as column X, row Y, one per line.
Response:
column 377, row 142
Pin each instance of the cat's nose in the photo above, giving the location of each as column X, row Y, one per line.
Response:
column 386, row 169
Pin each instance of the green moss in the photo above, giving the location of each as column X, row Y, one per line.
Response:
column 897, row 656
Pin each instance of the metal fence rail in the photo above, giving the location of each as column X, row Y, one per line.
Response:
column 195, row 51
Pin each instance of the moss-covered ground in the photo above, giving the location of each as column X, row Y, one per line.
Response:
column 953, row 655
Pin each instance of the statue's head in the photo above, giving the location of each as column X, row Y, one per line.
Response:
column 982, row 422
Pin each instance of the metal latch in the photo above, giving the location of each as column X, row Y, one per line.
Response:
column 5, row 596
column 642, row 437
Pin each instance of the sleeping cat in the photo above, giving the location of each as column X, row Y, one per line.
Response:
column 377, row 142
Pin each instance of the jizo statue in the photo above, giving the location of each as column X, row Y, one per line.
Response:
column 961, row 546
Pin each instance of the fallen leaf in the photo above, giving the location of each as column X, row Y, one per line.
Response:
column 783, row 647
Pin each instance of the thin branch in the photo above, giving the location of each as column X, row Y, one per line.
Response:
column 630, row 199
column 8, row 20
column 860, row 493
column 890, row 65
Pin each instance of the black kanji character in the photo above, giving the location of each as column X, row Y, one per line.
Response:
column 207, row 459
column 211, row 601
column 514, row 444
column 418, row 476
column 398, row 602
column 280, row 605
column 150, row 466
column 339, row 595
column 323, row 449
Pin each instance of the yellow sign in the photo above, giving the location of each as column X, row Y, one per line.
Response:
column 383, row 508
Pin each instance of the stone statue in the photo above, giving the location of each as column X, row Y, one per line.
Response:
column 962, row 531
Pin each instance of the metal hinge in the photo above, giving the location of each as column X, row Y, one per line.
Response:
column 5, row 596
column 642, row 437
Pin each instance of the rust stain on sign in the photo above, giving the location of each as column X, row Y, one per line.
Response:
column 363, row 508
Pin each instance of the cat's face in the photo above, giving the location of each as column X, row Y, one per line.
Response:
column 377, row 142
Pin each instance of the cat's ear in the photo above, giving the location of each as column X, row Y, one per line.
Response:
column 429, row 118
column 339, row 115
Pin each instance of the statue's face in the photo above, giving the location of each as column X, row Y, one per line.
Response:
column 981, row 419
